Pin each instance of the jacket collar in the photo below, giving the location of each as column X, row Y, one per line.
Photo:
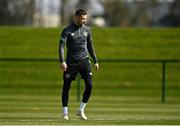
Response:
column 77, row 26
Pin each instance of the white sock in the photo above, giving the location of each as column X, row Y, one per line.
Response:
column 65, row 110
column 82, row 106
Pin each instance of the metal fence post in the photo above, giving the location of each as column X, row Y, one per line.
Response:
column 163, row 81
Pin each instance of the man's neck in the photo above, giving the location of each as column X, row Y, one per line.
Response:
column 77, row 24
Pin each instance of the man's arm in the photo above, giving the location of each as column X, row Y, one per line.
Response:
column 91, row 51
column 90, row 47
column 62, row 42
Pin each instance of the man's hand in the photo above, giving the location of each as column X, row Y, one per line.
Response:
column 96, row 66
column 64, row 66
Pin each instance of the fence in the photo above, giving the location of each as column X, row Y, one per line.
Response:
column 163, row 62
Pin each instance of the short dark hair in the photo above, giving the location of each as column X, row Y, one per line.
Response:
column 80, row 12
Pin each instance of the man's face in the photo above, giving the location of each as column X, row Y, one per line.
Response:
column 81, row 19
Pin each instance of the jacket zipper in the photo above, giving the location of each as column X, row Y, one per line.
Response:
column 79, row 31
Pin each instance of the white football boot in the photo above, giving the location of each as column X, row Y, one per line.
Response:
column 82, row 115
column 65, row 117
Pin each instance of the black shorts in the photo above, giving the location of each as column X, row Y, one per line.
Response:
column 82, row 66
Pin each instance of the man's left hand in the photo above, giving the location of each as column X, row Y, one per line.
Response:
column 96, row 66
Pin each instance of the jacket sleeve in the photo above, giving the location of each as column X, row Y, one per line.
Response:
column 62, row 43
column 90, row 47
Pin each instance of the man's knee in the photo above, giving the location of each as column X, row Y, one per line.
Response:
column 88, row 83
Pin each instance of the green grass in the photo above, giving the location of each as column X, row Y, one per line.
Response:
column 143, row 43
column 45, row 110
column 123, row 93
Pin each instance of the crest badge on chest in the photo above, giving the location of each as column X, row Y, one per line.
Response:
column 85, row 33
column 72, row 34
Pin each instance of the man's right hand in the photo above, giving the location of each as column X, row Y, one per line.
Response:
column 64, row 66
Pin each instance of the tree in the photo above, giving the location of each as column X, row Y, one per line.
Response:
column 116, row 13
column 62, row 12
column 16, row 12
column 173, row 18
column 4, row 13
column 83, row 4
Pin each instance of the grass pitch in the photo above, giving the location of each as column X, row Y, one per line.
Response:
column 123, row 93
column 46, row 110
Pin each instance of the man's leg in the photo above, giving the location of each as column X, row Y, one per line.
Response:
column 65, row 94
column 86, row 95
column 88, row 87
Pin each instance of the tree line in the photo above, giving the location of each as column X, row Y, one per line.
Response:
column 117, row 12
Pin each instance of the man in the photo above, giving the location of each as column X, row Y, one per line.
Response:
column 78, row 40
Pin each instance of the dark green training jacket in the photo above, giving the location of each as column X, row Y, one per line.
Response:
column 78, row 41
